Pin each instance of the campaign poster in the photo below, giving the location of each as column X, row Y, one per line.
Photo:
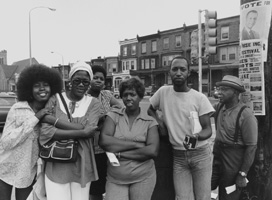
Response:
column 255, row 19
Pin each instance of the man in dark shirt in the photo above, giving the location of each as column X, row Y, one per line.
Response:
column 233, row 151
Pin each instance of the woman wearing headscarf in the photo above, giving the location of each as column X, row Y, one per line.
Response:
column 19, row 148
column 71, row 181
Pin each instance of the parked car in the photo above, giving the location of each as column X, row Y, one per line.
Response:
column 6, row 101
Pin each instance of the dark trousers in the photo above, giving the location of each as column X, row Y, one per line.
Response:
column 226, row 165
column 20, row 193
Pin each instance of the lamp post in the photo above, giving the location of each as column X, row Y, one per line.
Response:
column 62, row 61
column 29, row 18
column 199, row 51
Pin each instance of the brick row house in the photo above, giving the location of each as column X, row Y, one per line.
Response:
column 149, row 56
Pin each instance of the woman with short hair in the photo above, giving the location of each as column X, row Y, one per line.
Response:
column 133, row 136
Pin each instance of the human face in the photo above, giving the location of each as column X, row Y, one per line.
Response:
column 131, row 99
column 80, row 82
column 98, row 81
column 179, row 72
column 225, row 94
column 251, row 20
column 41, row 91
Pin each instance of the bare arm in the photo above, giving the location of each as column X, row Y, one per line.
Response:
column 248, row 159
column 112, row 144
column 61, row 124
column 61, row 134
column 206, row 131
column 147, row 152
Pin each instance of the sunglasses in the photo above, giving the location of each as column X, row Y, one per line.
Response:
column 79, row 81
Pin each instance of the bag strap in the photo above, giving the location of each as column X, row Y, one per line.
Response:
column 237, row 127
column 65, row 106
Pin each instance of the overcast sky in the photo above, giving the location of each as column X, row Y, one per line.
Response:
column 86, row 29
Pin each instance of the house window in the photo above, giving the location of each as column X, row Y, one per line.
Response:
column 146, row 63
column 165, row 43
column 166, row 60
column 124, row 51
column 109, row 68
column 114, row 67
column 133, row 49
column 143, row 47
column 224, row 57
column 127, row 65
column 225, row 33
column 1, row 61
column 154, row 46
column 232, row 56
column 142, row 64
column 153, row 63
column 132, row 64
column 178, row 40
column 123, row 66
column 117, row 82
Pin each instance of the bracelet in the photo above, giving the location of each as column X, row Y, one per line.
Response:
column 56, row 122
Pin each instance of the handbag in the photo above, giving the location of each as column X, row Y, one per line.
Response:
column 64, row 151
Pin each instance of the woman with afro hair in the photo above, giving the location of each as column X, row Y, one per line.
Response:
column 19, row 141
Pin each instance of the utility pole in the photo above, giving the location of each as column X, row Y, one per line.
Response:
column 260, row 174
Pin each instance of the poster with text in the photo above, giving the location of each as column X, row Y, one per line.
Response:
column 255, row 19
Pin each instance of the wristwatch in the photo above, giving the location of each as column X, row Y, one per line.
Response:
column 243, row 174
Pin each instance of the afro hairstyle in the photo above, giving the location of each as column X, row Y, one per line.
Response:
column 33, row 74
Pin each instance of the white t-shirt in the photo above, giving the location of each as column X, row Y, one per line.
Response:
column 176, row 108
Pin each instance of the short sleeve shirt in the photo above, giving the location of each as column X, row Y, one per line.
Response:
column 176, row 108
column 226, row 124
column 131, row 171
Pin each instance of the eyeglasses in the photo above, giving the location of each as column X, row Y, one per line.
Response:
column 79, row 81
column 224, row 89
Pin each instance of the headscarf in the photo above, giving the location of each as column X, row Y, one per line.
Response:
column 81, row 65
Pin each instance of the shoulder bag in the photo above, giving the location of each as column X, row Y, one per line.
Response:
column 64, row 151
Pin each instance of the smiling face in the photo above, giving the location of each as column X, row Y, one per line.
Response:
column 80, row 82
column 251, row 19
column 131, row 99
column 179, row 72
column 41, row 91
column 98, row 82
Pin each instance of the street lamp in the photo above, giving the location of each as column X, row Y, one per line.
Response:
column 29, row 17
column 62, row 61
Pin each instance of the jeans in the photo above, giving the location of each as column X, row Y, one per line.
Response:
column 192, row 171
column 20, row 193
column 135, row 191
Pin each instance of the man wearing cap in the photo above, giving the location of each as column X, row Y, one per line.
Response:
column 233, row 151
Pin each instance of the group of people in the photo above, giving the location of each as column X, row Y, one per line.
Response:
column 101, row 124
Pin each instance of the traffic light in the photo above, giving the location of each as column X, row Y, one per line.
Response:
column 194, row 47
column 210, row 32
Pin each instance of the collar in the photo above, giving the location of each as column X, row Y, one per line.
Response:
column 22, row 104
column 142, row 115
